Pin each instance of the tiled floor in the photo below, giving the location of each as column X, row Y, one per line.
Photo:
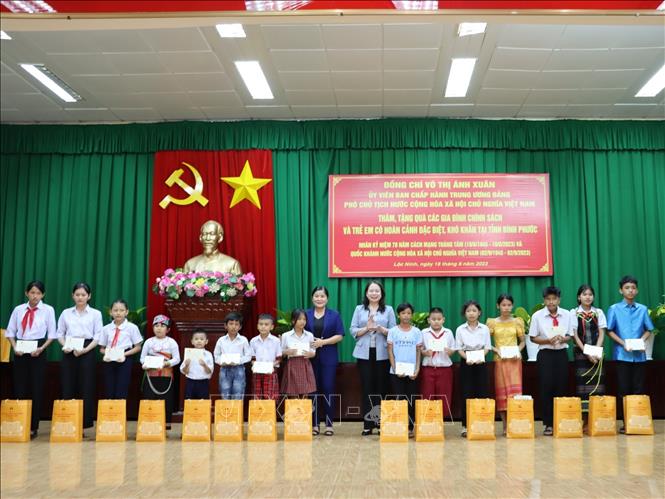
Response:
column 346, row 465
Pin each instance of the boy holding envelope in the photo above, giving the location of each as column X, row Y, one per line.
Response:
column 629, row 324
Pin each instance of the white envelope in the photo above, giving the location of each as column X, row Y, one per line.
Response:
column 593, row 351
column 636, row 344
column 554, row 331
column 230, row 358
column 26, row 346
column 262, row 367
column 115, row 354
column 475, row 356
column 510, row 352
column 73, row 343
column 153, row 362
column 405, row 369
column 194, row 354
column 437, row 345
column 523, row 397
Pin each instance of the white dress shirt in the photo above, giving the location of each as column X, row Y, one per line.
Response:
column 542, row 322
column 239, row 345
column 43, row 323
column 196, row 370
column 128, row 337
column 438, row 359
column 87, row 324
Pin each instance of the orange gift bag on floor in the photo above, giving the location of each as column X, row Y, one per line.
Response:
column 480, row 419
column 567, row 417
column 196, row 421
column 602, row 415
column 262, row 426
column 394, row 421
column 519, row 419
column 15, row 420
column 67, row 421
column 637, row 415
column 429, row 420
column 298, row 420
column 228, row 420
column 111, row 421
column 151, row 426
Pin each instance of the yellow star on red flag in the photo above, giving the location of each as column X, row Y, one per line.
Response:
column 246, row 186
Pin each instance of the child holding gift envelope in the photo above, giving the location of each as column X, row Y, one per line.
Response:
column 197, row 367
column 472, row 342
column 30, row 331
column 266, row 354
column 119, row 340
column 298, row 377
column 232, row 352
column 404, row 344
column 628, row 321
column 507, row 331
column 436, row 378
column 159, row 356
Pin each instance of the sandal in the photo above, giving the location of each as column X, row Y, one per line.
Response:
column 329, row 431
column 315, row 430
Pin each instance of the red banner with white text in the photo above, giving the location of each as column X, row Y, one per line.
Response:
column 191, row 187
column 439, row 225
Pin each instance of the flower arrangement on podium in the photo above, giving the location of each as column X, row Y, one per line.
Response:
column 175, row 284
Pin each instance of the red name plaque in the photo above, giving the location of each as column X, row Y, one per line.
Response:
column 439, row 225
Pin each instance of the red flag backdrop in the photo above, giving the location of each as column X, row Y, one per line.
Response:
column 249, row 232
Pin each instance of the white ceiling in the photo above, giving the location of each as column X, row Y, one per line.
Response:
column 324, row 67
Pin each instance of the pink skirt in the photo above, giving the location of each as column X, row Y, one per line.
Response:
column 298, row 377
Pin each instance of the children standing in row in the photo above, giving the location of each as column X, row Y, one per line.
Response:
column 158, row 381
column 198, row 373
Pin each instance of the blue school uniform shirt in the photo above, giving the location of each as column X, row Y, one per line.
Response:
column 405, row 344
column 628, row 322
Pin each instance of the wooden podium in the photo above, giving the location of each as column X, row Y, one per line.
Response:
column 188, row 314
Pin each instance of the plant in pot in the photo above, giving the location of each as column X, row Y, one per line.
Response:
column 657, row 316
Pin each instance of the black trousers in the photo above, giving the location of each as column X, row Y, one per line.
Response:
column 630, row 381
column 197, row 388
column 474, row 384
column 160, row 383
column 406, row 389
column 79, row 381
column 374, row 383
column 28, row 376
column 553, row 377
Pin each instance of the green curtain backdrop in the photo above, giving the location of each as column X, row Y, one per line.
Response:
column 76, row 199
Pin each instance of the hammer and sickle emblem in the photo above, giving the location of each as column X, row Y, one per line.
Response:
column 195, row 193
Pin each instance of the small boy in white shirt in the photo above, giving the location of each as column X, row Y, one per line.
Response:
column 198, row 372
column 232, row 352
